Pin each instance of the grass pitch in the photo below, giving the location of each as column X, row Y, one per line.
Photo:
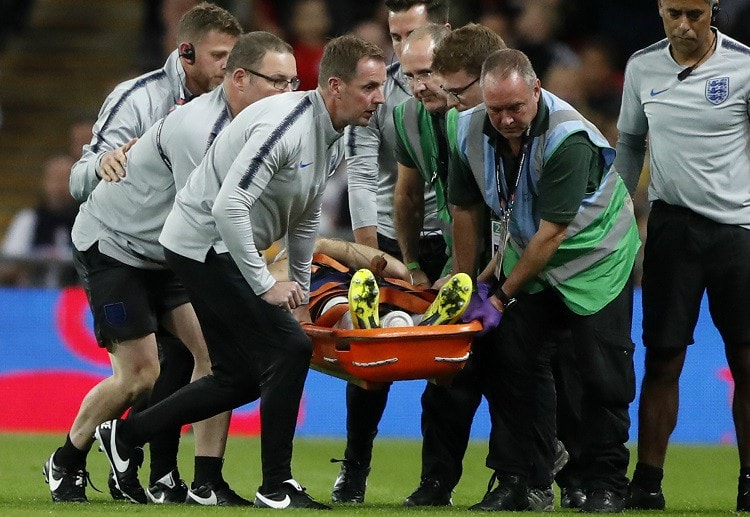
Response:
column 699, row 480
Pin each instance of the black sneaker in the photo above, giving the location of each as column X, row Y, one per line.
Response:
column 743, row 494
column 541, row 499
column 510, row 494
column 572, row 497
column 430, row 492
column 290, row 495
column 66, row 486
column 124, row 461
column 169, row 489
column 561, row 457
column 351, row 483
column 640, row 499
column 602, row 500
column 215, row 494
column 115, row 492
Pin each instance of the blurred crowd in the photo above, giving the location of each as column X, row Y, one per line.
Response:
column 578, row 47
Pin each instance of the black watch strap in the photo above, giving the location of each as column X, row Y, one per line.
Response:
column 508, row 301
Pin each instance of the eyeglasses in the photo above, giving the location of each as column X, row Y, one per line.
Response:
column 279, row 84
column 458, row 91
column 420, row 77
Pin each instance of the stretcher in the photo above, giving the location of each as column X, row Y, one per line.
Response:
column 372, row 357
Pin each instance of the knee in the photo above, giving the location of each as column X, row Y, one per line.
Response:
column 139, row 380
column 663, row 366
column 300, row 348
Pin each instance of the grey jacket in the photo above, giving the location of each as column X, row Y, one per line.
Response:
column 262, row 180
column 132, row 107
column 126, row 218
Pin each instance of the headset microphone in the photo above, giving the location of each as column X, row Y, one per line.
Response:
column 715, row 10
column 689, row 70
column 683, row 75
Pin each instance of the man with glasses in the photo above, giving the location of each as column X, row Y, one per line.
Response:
column 119, row 253
column 420, row 161
column 371, row 171
column 262, row 179
column 458, row 63
column 279, row 83
column 205, row 37
column 422, row 156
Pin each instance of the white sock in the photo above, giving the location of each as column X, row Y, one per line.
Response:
column 396, row 319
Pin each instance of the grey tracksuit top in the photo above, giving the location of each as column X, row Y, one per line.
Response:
column 262, row 179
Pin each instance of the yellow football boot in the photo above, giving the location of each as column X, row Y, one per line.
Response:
column 451, row 301
column 364, row 300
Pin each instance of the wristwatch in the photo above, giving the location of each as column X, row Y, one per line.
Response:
column 508, row 301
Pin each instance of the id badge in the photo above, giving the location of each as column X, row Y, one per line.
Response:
column 500, row 238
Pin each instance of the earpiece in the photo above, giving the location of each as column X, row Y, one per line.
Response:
column 187, row 50
column 715, row 10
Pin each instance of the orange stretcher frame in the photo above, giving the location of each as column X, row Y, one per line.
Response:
column 372, row 357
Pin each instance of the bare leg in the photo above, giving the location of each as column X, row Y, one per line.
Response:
column 738, row 358
column 660, row 395
column 135, row 367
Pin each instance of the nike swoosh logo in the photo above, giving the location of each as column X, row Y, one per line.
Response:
column 205, row 501
column 278, row 505
column 157, row 500
column 655, row 93
column 120, row 464
column 303, row 165
column 54, row 484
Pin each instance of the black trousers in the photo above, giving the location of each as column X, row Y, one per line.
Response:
column 518, row 382
column 447, row 414
column 569, row 390
column 257, row 351
column 364, row 408
column 175, row 369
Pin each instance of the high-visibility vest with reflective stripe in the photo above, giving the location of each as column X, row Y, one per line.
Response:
column 595, row 259
column 415, row 128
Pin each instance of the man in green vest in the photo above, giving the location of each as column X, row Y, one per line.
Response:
column 566, row 240
column 450, row 65
column 421, row 148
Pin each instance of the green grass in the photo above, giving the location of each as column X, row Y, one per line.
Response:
column 699, row 480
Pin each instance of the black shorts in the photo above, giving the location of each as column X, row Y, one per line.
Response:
column 126, row 301
column 686, row 255
column 432, row 257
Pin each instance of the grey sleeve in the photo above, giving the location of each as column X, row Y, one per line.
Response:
column 83, row 176
column 631, row 151
column 300, row 244
column 112, row 130
column 362, row 147
column 232, row 208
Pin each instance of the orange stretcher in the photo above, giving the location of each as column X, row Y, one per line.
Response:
column 372, row 357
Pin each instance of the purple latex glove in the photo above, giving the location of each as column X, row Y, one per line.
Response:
column 476, row 301
column 481, row 309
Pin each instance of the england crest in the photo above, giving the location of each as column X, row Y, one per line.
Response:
column 717, row 90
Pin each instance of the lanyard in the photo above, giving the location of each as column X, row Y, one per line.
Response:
column 509, row 200
column 501, row 233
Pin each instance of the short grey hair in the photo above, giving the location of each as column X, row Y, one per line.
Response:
column 506, row 62
column 433, row 31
